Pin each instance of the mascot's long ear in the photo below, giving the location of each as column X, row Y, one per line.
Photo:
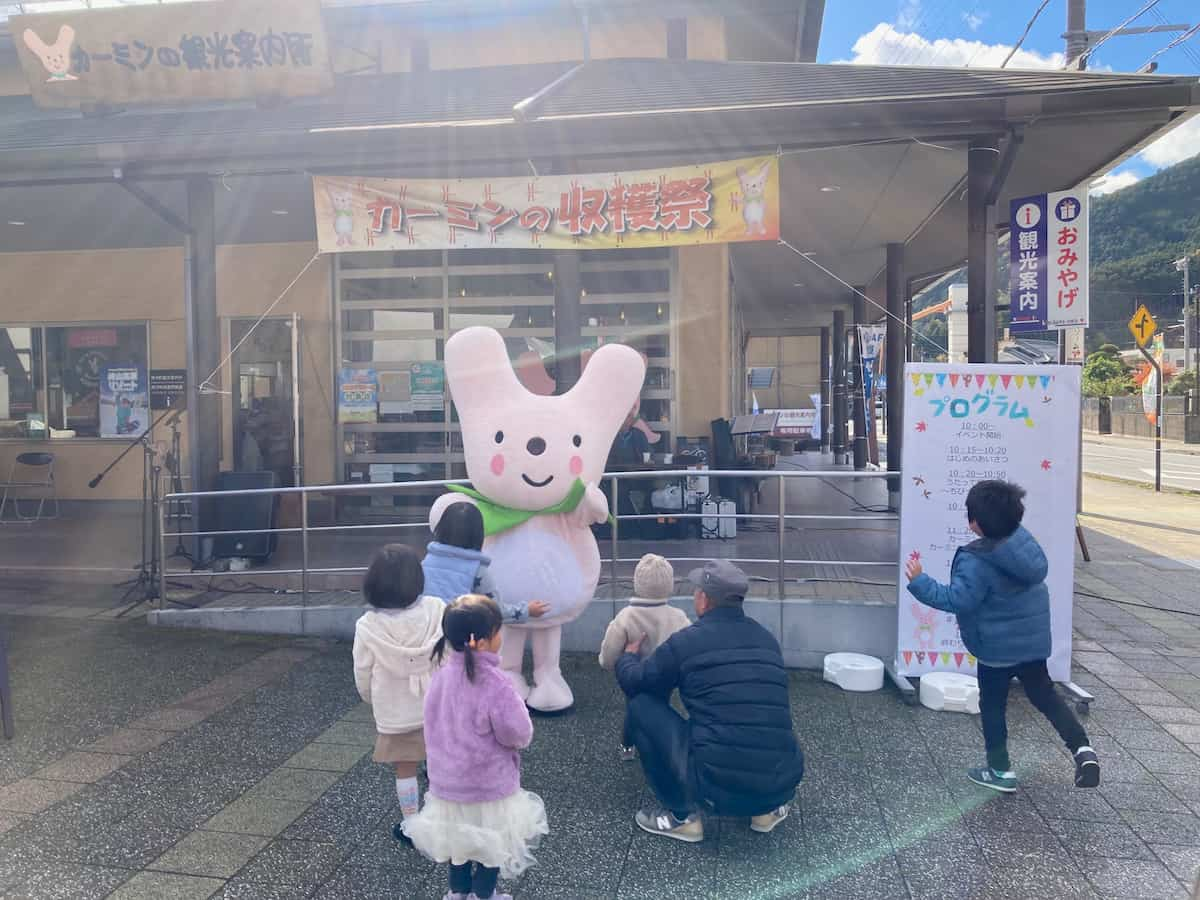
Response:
column 478, row 371
column 610, row 385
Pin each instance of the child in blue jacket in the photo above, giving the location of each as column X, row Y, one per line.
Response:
column 998, row 592
column 455, row 564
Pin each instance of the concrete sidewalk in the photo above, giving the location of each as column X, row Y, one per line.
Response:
column 155, row 765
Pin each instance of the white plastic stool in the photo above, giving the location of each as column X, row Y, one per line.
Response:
column 950, row 691
column 854, row 671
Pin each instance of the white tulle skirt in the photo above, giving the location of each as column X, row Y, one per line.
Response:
column 499, row 834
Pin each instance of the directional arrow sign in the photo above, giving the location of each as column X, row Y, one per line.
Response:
column 1142, row 326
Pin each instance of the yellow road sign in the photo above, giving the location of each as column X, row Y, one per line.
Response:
column 1142, row 326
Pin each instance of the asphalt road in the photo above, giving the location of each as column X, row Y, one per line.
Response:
column 1136, row 463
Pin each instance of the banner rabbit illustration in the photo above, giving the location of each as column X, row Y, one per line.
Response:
column 754, row 197
column 534, row 463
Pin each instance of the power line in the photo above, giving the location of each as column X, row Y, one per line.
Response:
column 1083, row 57
column 1188, row 51
column 1175, row 43
column 1024, row 34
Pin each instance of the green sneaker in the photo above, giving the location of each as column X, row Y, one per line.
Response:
column 1004, row 782
column 662, row 822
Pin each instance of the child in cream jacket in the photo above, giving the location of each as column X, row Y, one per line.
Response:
column 648, row 614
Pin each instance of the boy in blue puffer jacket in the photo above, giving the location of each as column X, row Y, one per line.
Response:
column 998, row 592
column 455, row 564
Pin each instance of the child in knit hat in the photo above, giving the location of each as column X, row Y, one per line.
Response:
column 648, row 614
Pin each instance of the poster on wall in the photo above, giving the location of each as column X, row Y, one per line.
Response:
column 124, row 401
column 427, row 386
column 714, row 203
column 968, row 423
column 358, row 395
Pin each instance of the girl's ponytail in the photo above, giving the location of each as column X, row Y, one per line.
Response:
column 466, row 622
column 469, row 658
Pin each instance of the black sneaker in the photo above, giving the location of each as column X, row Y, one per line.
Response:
column 398, row 834
column 1087, row 768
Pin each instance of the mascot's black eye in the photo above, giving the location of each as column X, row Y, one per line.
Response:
column 499, row 437
column 577, row 441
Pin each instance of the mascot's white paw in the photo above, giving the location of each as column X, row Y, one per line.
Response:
column 519, row 682
column 550, row 693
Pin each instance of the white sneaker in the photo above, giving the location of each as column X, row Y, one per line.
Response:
column 766, row 823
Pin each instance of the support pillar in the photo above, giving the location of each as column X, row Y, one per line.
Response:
column 839, row 386
column 826, row 391
column 203, row 346
column 859, row 401
column 568, row 320
column 893, row 348
column 983, row 158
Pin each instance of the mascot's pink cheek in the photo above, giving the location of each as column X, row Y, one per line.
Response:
column 497, row 465
column 576, row 465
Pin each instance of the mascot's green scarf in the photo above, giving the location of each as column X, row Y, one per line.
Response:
column 497, row 518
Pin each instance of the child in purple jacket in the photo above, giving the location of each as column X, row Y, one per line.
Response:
column 476, row 816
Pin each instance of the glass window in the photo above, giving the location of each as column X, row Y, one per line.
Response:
column 22, row 413
column 79, row 400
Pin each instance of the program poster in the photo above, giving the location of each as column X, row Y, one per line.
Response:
column 124, row 401
column 967, row 423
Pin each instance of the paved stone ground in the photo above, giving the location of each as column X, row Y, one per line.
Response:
column 166, row 764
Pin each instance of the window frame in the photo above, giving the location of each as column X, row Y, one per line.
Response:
column 44, row 373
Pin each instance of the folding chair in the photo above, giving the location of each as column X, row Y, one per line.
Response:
column 31, row 463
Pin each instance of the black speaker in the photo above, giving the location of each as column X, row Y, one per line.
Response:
column 245, row 513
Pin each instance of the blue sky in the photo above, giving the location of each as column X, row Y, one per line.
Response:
column 980, row 33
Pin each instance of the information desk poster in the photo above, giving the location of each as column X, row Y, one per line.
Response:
column 124, row 401
column 968, row 423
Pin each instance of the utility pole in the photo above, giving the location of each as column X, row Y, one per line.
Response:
column 1076, row 33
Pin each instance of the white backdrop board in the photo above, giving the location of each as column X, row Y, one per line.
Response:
column 963, row 424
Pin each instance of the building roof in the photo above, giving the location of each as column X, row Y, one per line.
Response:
column 605, row 89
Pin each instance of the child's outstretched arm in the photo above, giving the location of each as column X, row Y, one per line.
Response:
column 964, row 593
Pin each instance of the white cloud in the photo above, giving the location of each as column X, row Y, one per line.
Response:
column 973, row 20
column 1175, row 146
column 1112, row 182
column 887, row 45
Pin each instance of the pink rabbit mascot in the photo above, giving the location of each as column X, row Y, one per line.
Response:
column 535, row 463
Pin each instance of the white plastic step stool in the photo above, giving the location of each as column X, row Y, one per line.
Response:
column 950, row 691
column 854, row 671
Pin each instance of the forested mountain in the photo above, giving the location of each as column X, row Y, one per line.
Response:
column 1136, row 235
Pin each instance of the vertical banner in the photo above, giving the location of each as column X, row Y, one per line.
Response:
column 124, row 401
column 1027, row 264
column 1048, row 261
column 968, row 423
column 870, row 344
column 1067, row 259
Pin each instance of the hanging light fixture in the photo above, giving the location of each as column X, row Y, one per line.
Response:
column 658, row 311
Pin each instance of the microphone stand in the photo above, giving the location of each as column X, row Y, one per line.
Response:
column 148, row 569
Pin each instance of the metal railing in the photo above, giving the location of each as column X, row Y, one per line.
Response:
column 781, row 517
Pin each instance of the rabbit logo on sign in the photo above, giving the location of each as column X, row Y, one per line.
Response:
column 56, row 57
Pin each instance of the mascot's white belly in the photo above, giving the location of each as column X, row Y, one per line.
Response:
column 546, row 559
